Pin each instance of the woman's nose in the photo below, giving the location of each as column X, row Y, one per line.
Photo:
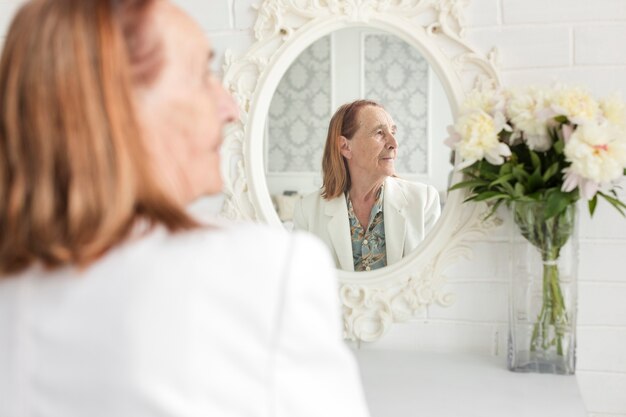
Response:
column 392, row 143
column 227, row 108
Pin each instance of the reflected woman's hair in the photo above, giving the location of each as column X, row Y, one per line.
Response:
column 344, row 123
column 73, row 172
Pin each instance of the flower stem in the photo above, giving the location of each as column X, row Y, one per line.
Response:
column 552, row 319
column 548, row 236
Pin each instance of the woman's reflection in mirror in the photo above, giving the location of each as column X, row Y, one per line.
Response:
column 368, row 216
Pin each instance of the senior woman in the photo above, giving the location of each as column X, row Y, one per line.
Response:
column 365, row 214
column 113, row 300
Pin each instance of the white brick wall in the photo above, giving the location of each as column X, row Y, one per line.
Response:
column 245, row 15
column 601, row 80
column 471, row 299
column 212, row 15
column 484, row 12
column 545, row 46
column 555, row 11
column 607, row 356
column 573, row 41
column 588, row 37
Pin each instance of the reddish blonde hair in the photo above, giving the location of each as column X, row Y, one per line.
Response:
column 74, row 176
column 336, row 177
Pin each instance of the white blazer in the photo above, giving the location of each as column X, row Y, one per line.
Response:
column 233, row 322
column 410, row 210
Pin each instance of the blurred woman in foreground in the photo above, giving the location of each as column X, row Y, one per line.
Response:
column 113, row 300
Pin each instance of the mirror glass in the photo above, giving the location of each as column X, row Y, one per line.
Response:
column 344, row 66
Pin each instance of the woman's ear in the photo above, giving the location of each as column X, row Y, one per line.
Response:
column 344, row 147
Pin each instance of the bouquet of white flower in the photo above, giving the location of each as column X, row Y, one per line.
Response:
column 551, row 145
column 542, row 149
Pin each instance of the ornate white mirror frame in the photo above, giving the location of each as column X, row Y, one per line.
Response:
column 372, row 301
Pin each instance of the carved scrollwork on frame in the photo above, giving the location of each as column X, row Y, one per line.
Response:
column 372, row 301
column 370, row 311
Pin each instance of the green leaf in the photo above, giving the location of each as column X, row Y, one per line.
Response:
column 592, row 205
column 561, row 119
column 615, row 203
column 535, row 180
column 618, row 208
column 520, row 173
column 558, row 146
column 468, row 184
column 489, row 195
column 534, row 159
column 624, row 171
column 507, row 168
column 488, row 171
column 552, row 169
column 557, row 201
column 470, row 174
column 519, row 190
column 527, row 198
column 502, row 179
column 494, row 208
column 508, row 188
column 470, row 170
column 613, row 200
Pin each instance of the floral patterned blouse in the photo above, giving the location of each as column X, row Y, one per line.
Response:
column 368, row 246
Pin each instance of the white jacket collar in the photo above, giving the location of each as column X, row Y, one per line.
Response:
column 394, row 206
column 339, row 231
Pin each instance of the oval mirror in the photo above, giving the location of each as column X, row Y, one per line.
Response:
column 341, row 67
column 255, row 165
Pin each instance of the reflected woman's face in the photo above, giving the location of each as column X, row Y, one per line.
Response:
column 372, row 150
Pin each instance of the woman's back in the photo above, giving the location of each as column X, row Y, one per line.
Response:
column 235, row 321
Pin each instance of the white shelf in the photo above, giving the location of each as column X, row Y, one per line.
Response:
column 411, row 384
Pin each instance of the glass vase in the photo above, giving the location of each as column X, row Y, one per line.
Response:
column 543, row 290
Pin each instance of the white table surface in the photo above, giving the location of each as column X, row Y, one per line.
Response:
column 411, row 384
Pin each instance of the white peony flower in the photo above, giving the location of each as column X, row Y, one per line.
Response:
column 614, row 110
column 475, row 137
column 597, row 153
column 540, row 143
column 574, row 103
column 489, row 100
column 526, row 110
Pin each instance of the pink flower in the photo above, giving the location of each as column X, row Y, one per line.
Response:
column 567, row 132
column 453, row 137
column 587, row 187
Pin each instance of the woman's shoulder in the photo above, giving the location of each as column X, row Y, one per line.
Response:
column 310, row 204
column 312, row 197
column 222, row 234
column 240, row 242
column 415, row 193
column 412, row 186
